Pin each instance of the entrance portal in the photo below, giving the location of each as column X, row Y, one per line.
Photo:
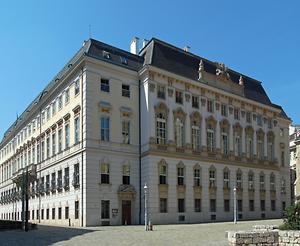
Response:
column 126, row 212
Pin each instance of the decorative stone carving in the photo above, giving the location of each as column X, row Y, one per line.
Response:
column 170, row 81
column 151, row 75
column 187, row 97
column 179, row 113
column 222, row 71
column 170, row 92
column 161, row 108
column 241, row 80
column 203, row 102
column 200, row 70
column 230, row 110
column 195, row 117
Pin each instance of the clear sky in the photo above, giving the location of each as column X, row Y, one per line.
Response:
column 258, row 38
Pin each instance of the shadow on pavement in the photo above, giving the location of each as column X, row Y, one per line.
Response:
column 43, row 236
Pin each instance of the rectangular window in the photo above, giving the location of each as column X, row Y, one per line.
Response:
column 67, row 136
column 43, row 150
column 251, row 205
column 53, row 143
column 48, row 147
column 197, row 179
column 60, row 140
column 67, row 96
column 161, row 91
column 226, row 205
column 197, row 205
column 212, row 205
column 210, row 140
column 160, row 129
column 223, row 110
column 37, row 153
column 126, row 131
column 262, row 205
column 54, row 108
column 42, row 214
column 212, row 178
column 53, row 213
column 248, row 117
column 236, row 113
column 240, row 205
column 105, row 85
column 259, row 120
column 77, row 87
column 180, row 176
column 125, row 90
column 163, row 205
column 105, row 209
column 196, row 137
column 76, row 176
column 105, row 129
column 273, row 205
column 77, row 130
column 162, row 174
column 282, row 157
column 59, row 180
column 179, row 97
column 60, row 102
column 76, row 209
column 67, row 179
column 181, row 206
column 195, row 102
column 66, row 213
column 210, row 107
column 59, row 213
column 47, row 214
column 104, row 173
column 126, row 175
column 48, row 113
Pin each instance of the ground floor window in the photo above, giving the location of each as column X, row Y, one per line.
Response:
column 53, row 213
column 42, row 214
column 240, row 205
column 66, row 213
column 181, row 206
column 197, row 205
column 163, row 205
column 59, row 213
column 226, row 205
column 273, row 205
column 47, row 213
column 212, row 205
column 262, row 205
column 105, row 209
column 251, row 205
column 76, row 209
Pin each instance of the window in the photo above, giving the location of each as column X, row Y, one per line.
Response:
column 53, row 143
column 181, row 206
column 224, row 142
column 283, row 186
column 180, row 175
column 270, row 123
column 262, row 181
column 67, row 136
column 59, row 213
column 105, row 85
column 226, row 178
column 262, row 205
column 54, row 108
column 239, row 179
column 161, row 91
column 163, row 205
column 197, row 205
column 162, row 174
column 76, row 130
column 67, row 179
column 104, row 173
column 212, row 178
column 240, row 205
column 259, row 119
column 76, row 182
column 260, row 149
column 236, row 113
column 59, row 180
column 226, row 205
column 197, row 177
column 126, row 174
column 42, row 214
column 281, row 132
column 282, row 157
column 47, row 214
column 66, row 213
column 251, row 181
column 178, row 97
column 195, row 136
column 105, row 209
column 125, row 90
column 179, row 132
column 195, row 102
column 248, row 117
column 249, row 146
column 76, row 209
column 210, row 138
column 212, row 205
column 251, row 205
column 210, row 107
column 273, row 205
column 272, row 182
column 60, row 102
column 123, row 60
column 105, row 128
column 48, row 147
column 126, row 131
column 67, row 96
column 77, row 87
column 161, row 129
column 43, row 150
column 59, row 140
column 237, row 145
column 223, row 110
column 37, row 153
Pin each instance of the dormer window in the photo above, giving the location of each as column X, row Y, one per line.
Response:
column 124, row 60
column 106, row 54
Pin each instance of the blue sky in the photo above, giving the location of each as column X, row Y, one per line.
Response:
column 258, row 38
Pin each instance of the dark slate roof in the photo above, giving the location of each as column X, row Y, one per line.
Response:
column 99, row 50
column 173, row 59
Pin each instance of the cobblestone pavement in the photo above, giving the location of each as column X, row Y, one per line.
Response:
column 210, row 234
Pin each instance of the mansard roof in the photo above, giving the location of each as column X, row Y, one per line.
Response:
column 175, row 60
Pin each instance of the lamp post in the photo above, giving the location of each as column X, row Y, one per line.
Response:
column 146, row 212
column 234, row 205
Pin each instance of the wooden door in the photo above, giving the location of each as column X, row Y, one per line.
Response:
column 126, row 212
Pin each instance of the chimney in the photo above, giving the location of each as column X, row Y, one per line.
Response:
column 145, row 42
column 134, row 46
column 186, row 48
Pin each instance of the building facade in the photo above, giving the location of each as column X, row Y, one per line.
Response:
column 112, row 121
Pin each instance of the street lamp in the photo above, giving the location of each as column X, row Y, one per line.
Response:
column 234, row 205
column 146, row 212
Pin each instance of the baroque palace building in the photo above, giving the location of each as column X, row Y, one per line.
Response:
column 111, row 121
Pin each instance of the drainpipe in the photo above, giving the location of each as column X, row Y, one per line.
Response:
column 81, row 86
column 140, row 156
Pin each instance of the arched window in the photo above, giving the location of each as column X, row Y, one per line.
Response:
column 210, row 138
column 226, row 178
column 249, row 142
column 179, row 132
column 270, row 145
column 260, row 144
column 161, row 128
column 237, row 140
column 195, row 136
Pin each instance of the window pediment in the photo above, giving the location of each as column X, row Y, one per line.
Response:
column 179, row 113
column 161, row 108
column 211, row 120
